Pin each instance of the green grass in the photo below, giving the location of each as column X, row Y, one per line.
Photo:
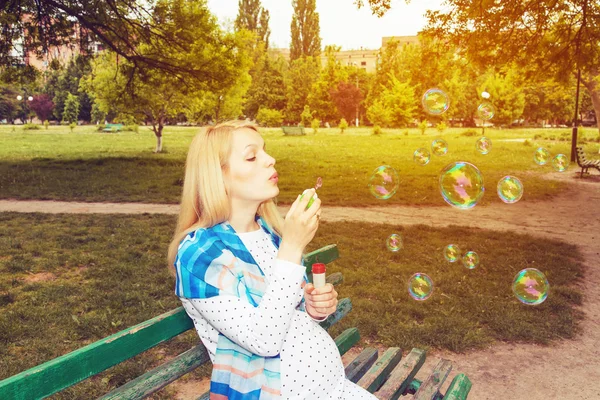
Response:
column 90, row 166
column 109, row 274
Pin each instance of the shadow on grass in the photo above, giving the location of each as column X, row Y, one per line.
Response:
column 107, row 273
column 120, row 179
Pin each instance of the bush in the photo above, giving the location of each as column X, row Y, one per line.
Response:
column 527, row 143
column 100, row 127
column 405, row 133
column 30, row 127
column 343, row 125
column 422, row 127
column 306, row 116
column 72, row 126
column 46, row 123
column 470, row 132
column 376, row 130
column 441, row 127
column 131, row 128
column 269, row 117
column 315, row 124
column 537, row 136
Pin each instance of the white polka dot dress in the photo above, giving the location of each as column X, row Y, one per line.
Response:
column 311, row 366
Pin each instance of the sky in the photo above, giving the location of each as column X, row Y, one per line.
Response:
column 341, row 22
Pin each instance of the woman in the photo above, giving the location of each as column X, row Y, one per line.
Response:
column 239, row 275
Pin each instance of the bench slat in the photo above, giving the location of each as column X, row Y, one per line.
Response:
column 344, row 342
column 402, row 376
column 154, row 380
column 378, row 373
column 335, row 279
column 323, row 255
column 459, row 388
column 361, row 364
column 430, row 387
column 344, row 307
column 69, row 369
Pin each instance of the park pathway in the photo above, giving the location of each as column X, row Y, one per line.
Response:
column 569, row 369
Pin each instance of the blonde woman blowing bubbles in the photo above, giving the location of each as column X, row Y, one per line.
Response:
column 239, row 275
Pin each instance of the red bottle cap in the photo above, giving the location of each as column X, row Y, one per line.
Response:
column 318, row 268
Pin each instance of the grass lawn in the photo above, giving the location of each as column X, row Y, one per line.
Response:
column 87, row 165
column 69, row 280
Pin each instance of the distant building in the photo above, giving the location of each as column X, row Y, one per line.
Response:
column 362, row 58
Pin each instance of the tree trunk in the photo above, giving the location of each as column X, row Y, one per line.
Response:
column 593, row 88
column 158, row 133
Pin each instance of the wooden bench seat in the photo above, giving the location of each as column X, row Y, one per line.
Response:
column 584, row 163
column 112, row 128
column 387, row 376
column 293, row 130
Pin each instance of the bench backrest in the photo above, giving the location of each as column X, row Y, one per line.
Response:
column 65, row 371
column 581, row 159
column 293, row 130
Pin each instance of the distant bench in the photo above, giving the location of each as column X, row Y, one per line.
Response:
column 112, row 128
column 293, row 130
column 584, row 163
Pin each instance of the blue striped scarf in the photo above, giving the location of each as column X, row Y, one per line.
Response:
column 213, row 261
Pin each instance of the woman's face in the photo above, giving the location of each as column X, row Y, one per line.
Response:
column 251, row 176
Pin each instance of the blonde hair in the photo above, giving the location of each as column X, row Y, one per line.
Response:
column 204, row 199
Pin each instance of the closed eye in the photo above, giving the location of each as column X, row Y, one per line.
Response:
column 251, row 159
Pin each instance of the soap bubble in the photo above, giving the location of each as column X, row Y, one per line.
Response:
column 470, row 260
column 435, row 101
column 384, row 182
column 451, row 253
column 541, row 156
column 486, row 111
column 483, row 145
column 560, row 162
column 420, row 286
column 422, row 156
column 394, row 242
column 485, row 95
column 510, row 189
column 439, row 147
column 530, row 286
column 461, row 185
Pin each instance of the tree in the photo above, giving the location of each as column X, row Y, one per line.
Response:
column 303, row 72
column 267, row 89
column 319, row 98
column 155, row 96
column 42, row 106
column 9, row 105
column 254, row 18
column 506, row 95
column 395, row 106
column 122, row 26
column 306, row 40
column 558, row 37
column 71, row 110
column 347, row 98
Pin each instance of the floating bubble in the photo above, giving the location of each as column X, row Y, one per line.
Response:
column 483, row 145
column 560, row 162
column 384, row 182
column 394, row 242
column 510, row 189
column 530, row 286
column 486, row 111
column 435, row 101
column 452, row 253
column 461, row 185
column 541, row 156
column 470, row 260
column 439, row 147
column 485, row 95
column 422, row 156
column 420, row 286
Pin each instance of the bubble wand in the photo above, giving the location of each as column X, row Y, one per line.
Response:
column 317, row 186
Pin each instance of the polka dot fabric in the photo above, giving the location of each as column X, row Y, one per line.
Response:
column 311, row 366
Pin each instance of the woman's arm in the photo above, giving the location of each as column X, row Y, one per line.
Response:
column 260, row 330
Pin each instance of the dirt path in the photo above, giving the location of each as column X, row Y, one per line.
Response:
column 565, row 370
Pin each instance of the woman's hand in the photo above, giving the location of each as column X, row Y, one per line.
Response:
column 299, row 227
column 320, row 302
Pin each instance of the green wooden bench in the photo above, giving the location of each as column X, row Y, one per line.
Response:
column 112, row 128
column 293, row 130
column 584, row 163
column 387, row 375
